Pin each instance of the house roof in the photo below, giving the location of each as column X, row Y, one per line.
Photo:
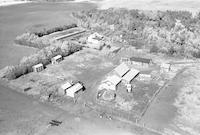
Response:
column 75, row 88
column 131, row 75
column 38, row 65
column 114, row 79
column 122, row 69
column 57, row 57
column 66, row 85
column 139, row 59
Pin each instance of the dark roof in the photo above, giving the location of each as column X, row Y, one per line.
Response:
column 138, row 59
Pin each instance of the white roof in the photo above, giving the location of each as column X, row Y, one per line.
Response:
column 165, row 65
column 122, row 69
column 66, row 85
column 131, row 75
column 57, row 57
column 38, row 65
column 114, row 79
column 75, row 88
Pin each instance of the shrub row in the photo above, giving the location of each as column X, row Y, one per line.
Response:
column 55, row 29
column 42, row 56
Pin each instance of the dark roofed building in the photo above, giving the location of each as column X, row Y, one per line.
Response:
column 140, row 61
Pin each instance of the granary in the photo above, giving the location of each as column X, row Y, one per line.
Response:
column 38, row 67
column 130, row 75
column 122, row 69
column 140, row 61
column 95, row 41
column 73, row 90
column 63, row 88
column 110, row 83
column 56, row 59
column 165, row 67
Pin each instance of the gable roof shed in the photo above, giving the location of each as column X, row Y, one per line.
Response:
column 131, row 75
column 114, row 79
column 122, row 69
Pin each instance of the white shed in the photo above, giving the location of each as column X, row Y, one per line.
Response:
column 165, row 67
column 63, row 88
column 74, row 89
column 122, row 69
column 38, row 67
column 56, row 59
column 128, row 77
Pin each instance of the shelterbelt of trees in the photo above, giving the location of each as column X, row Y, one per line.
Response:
column 170, row 32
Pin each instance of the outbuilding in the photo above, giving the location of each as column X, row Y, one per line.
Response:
column 56, row 59
column 141, row 61
column 38, row 67
column 122, row 69
column 129, row 76
column 73, row 90
column 165, row 67
column 63, row 88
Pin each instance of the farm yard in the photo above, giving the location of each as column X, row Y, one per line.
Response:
column 108, row 72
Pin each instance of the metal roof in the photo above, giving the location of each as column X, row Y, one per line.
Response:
column 122, row 69
column 38, row 65
column 114, row 79
column 66, row 85
column 57, row 57
column 131, row 75
column 75, row 88
column 139, row 59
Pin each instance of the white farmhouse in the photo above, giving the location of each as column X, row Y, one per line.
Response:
column 95, row 41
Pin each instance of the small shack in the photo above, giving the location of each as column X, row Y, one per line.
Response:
column 144, row 77
column 56, row 59
column 165, row 67
column 63, row 88
column 73, row 90
column 122, row 69
column 38, row 67
column 128, row 77
column 141, row 61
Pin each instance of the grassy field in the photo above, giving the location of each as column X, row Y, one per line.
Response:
column 16, row 19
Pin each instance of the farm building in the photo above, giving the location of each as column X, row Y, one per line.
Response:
column 165, row 67
column 125, row 60
column 73, row 90
column 38, row 67
column 56, row 59
column 111, row 83
column 140, row 61
column 144, row 77
column 95, row 41
column 122, row 69
column 63, row 88
column 130, row 75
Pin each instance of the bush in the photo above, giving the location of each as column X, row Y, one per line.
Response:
column 154, row 49
column 56, row 29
